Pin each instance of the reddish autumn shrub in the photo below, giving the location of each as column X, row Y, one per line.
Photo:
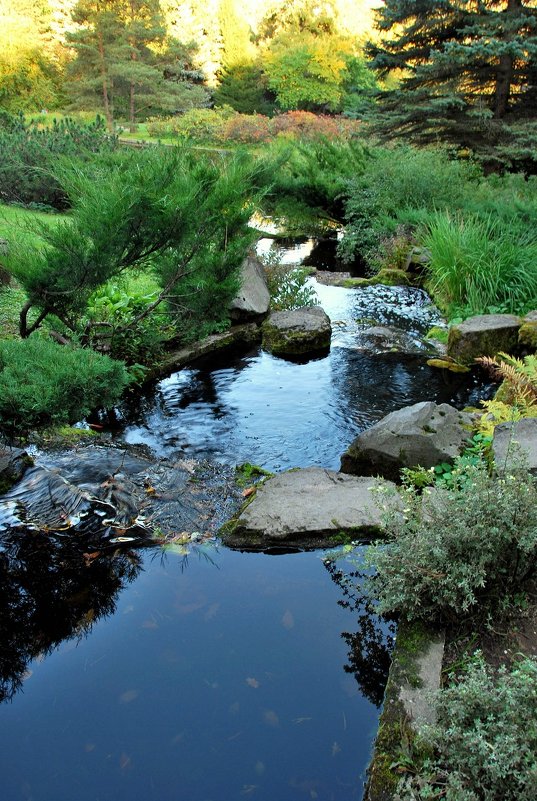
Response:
column 306, row 125
column 247, row 129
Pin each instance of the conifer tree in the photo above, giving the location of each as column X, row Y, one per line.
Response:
column 469, row 73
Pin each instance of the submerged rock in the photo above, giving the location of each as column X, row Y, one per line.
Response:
column 424, row 434
column 297, row 332
column 307, row 507
column 390, row 339
column 253, row 299
column 484, row 335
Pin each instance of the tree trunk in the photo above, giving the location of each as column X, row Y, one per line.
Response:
column 104, row 79
column 504, row 74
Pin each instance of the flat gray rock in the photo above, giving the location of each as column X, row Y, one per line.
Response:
column 424, row 434
column 297, row 332
column 253, row 299
column 484, row 335
column 307, row 506
column 514, row 443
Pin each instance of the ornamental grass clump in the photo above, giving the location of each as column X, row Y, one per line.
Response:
column 457, row 551
column 485, row 739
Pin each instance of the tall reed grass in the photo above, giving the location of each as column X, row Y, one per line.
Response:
column 480, row 265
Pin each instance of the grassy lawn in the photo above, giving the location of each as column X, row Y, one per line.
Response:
column 24, row 224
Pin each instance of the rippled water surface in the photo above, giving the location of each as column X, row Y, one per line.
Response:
column 260, row 408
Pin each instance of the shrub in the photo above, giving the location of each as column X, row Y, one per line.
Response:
column 246, row 129
column 42, row 382
column 471, row 543
column 306, row 125
column 197, row 124
column 397, row 186
column 111, row 314
column 485, row 738
column 30, row 151
column 288, row 286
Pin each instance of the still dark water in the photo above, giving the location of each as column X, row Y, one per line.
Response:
column 212, row 675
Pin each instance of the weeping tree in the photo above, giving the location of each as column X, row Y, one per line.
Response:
column 179, row 216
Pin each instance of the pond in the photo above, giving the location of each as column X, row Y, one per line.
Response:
column 199, row 673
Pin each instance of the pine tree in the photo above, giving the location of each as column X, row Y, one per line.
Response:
column 469, row 70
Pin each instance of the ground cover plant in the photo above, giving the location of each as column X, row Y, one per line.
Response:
column 456, row 552
column 485, row 738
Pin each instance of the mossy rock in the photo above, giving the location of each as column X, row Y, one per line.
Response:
column 386, row 277
column 527, row 335
column 13, row 464
column 446, row 364
column 298, row 332
column 483, row 335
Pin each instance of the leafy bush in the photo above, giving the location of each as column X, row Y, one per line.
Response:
column 246, row 129
column 288, row 286
column 485, row 739
column 471, row 543
column 479, row 265
column 306, row 125
column 111, row 315
column 197, row 124
column 42, row 382
column 30, row 151
column 397, row 186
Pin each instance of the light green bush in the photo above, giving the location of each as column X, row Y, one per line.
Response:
column 457, row 550
column 485, row 739
column 42, row 382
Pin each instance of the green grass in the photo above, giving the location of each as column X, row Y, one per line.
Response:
column 23, row 224
column 480, row 265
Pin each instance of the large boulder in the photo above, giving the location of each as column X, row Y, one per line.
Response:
column 424, row 434
column 484, row 335
column 307, row 507
column 297, row 332
column 516, row 444
column 13, row 464
column 253, row 299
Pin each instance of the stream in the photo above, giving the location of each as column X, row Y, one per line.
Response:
column 194, row 672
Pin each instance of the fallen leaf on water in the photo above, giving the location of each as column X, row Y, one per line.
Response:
column 252, row 682
column 335, row 749
column 248, row 491
column 271, row 718
column 301, row 720
column 288, row 620
column 150, row 490
column 248, row 788
column 128, row 696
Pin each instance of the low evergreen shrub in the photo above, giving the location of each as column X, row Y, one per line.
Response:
column 458, row 550
column 485, row 738
column 42, row 382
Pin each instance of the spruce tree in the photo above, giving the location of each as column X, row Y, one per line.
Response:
column 469, row 74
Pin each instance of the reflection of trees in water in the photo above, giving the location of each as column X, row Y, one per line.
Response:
column 50, row 591
column 371, row 645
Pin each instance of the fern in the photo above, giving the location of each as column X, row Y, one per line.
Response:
column 517, row 397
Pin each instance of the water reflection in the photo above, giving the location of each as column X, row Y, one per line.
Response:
column 370, row 647
column 52, row 590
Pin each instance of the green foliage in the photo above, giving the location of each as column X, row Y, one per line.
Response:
column 30, row 153
column 42, row 383
column 243, row 87
column 485, row 738
column 313, row 175
column 517, row 397
column 466, row 74
column 111, row 312
column 480, row 265
column 457, row 550
column 172, row 212
column 197, row 125
column 289, row 286
column 396, row 187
